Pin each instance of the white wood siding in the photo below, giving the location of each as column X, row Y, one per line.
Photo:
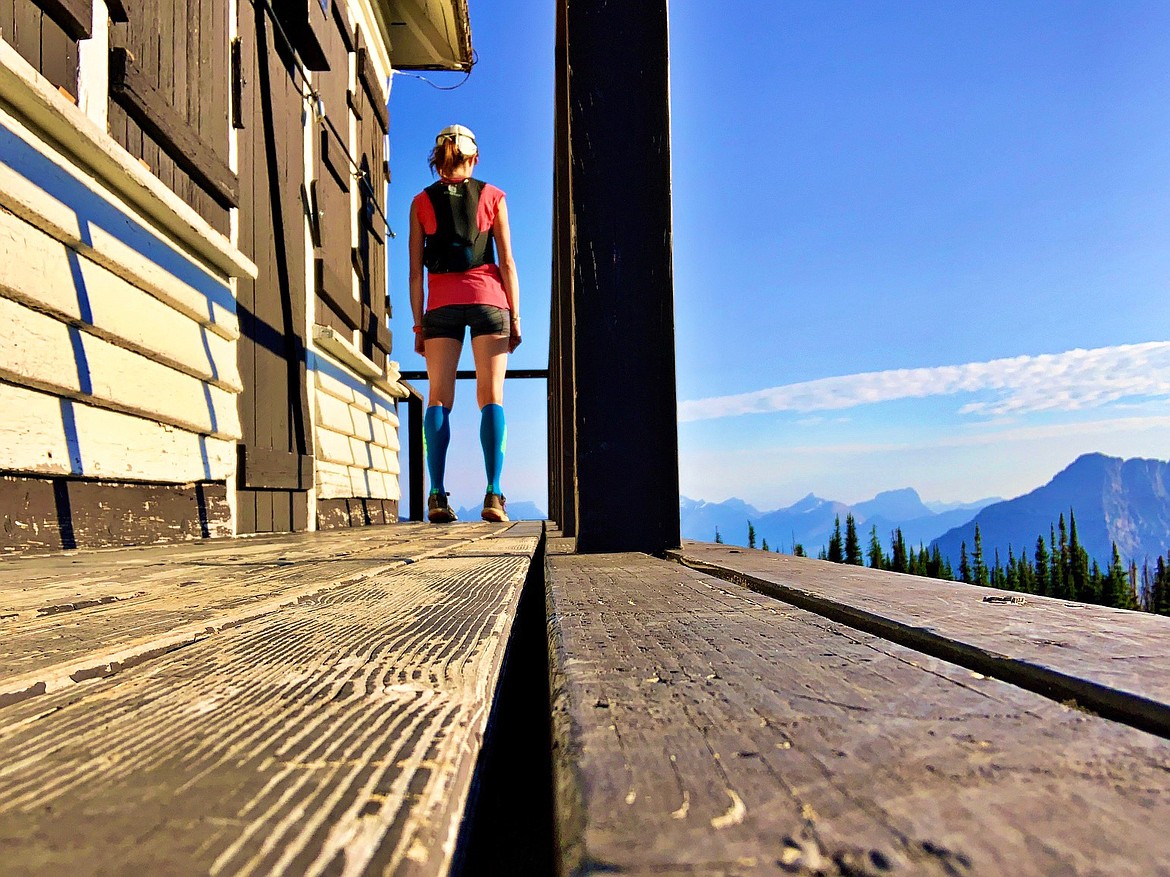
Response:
column 48, row 435
column 357, row 436
column 117, row 346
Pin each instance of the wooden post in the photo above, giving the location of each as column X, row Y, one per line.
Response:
column 415, row 491
column 562, row 457
column 622, row 314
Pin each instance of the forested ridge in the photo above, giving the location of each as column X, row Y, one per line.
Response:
column 1056, row 565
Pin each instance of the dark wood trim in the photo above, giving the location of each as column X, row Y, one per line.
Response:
column 375, row 329
column 314, row 212
column 132, row 91
column 237, row 84
column 373, row 222
column 347, row 35
column 414, row 445
column 369, row 81
column 469, row 374
column 117, row 11
column 74, row 16
column 334, row 159
column 304, row 21
column 58, row 514
column 351, row 98
column 359, row 264
column 272, row 469
column 336, row 293
column 335, row 514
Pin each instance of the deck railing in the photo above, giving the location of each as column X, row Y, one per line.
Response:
column 415, row 491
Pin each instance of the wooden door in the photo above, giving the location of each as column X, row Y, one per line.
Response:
column 276, row 453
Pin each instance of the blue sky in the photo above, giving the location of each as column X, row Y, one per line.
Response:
column 916, row 243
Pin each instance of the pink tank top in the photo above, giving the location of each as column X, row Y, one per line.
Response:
column 479, row 286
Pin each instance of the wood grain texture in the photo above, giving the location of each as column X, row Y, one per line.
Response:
column 336, row 735
column 151, row 108
column 1108, row 659
column 95, row 613
column 700, row 728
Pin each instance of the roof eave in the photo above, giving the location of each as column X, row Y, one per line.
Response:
column 418, row 42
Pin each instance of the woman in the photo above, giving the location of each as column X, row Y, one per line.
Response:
column 457, row 227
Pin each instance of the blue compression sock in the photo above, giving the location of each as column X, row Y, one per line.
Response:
column 436, row 437
column 493, row 435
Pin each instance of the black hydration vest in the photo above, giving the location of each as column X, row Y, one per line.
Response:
column 457, row 244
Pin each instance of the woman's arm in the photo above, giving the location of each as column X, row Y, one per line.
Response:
column 416, row 278
column 503, row 235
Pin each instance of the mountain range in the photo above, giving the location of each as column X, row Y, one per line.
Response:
column 810, row 520
column 1114, row 500
column 520, row 510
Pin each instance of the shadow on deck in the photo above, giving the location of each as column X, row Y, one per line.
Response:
column 379, row 702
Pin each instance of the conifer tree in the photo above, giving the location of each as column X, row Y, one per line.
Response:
column 979, row 568
column 836, row 551
column 798, row 550
column 964, row 564
column 937, row 569
column 1043, row 580
column 899, row 562
column 1025, row 574
column 997, row 577
column 1056, row 561
column 1160, row 599
column 1011, row 579
column 875, row 555
column 852, row 544
column 922, row 567
column 1117, row 588
column 751, row 535
column 764, row 544
column 1080, row 583
column 718, row 537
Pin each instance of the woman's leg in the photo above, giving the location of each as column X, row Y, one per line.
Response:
column 442, row 362
column 491, row 364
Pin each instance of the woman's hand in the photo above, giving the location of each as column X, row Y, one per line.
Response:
column 420, row 344
column 514, row 335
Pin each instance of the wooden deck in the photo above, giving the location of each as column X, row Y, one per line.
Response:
column 701, row 727
column 327, row 704
column 308, row 704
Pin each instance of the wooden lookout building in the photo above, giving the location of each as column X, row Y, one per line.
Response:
column 197, row 376
column 194, row 293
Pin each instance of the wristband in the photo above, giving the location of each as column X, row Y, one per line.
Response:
column 418, row 330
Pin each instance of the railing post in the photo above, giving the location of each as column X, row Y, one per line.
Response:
column 562, row 445
column 621, row 370
column 414, row 444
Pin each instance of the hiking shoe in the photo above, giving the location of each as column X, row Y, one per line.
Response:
column 438, row 511
column 493, row 508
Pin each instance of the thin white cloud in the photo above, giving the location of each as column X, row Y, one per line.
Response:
column 1125, row 426
column 1073, row 381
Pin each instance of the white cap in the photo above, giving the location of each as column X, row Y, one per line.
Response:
column 463, row 138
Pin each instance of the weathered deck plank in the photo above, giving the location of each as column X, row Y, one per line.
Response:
column 89, row 614
column 1113, row 661
column 700, row 728
column 336, row 735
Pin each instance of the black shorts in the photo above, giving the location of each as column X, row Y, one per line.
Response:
column 452, row 320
